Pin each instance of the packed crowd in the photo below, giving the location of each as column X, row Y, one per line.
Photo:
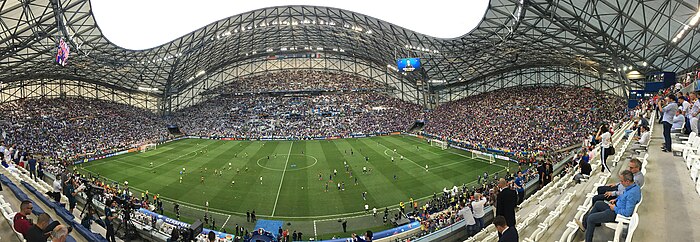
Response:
column 300, row 116
column 67, row 128
column 296, row 80
column 459, row 203
column 525, row 118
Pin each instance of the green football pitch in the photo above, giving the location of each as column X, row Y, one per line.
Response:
column 291, row 188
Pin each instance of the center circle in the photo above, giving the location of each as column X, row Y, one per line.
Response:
column 292, row 162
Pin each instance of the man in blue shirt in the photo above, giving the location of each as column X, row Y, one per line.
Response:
column 32, row 167
column 520, row 187
column 669, row 111
column 603, row 212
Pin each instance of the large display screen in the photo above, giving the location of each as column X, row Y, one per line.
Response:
column 408, row 64
column 63, row 51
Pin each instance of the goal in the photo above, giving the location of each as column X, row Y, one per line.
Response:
column 148, row 147
column 484, row 156
column 438, row 143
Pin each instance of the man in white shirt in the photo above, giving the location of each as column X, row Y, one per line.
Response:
column 57, row 189
column 643, row 139
column 678, row 121
column 466, row 213
column 692, row 114
column 478, row 208
column 685, row 107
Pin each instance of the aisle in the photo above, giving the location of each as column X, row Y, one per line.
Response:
column 671, row 207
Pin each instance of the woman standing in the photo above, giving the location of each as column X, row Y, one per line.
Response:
column 604, row 137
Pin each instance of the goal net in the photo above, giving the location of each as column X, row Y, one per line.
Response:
column 438, row 143
column 484, row 156
column 148, row 147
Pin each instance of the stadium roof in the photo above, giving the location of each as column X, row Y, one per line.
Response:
column 602, row 37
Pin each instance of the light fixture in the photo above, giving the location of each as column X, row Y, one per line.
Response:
column 645, row 63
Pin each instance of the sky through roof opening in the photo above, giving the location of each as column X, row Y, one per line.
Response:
column 143, row 24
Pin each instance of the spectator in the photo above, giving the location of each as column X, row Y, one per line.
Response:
column 668, row 111
column 519, row 184
column 611, row 191
column 32, row 167
column 604, row 136
column 69, row 191
column 21, row 223
column 211, row 237
column 505, row 202
column 57, row 189
column 174, row 236
column 584, row 169
column 604, row 213
column 40, row 231
column 693, row 112
column 110, row 215
column 678, row 122
column 468, row 216
column 59, row 234
column 506, row 233
column 642, row 139
column 478, row 206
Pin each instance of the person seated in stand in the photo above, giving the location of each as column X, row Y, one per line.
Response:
column 678, row 121
column 643, row 139
column 611, row 191
column 21, row 222
column 604, row 212
column 584, row 168
column 41, row 230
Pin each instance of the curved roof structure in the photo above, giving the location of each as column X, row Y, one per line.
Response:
column 602, row 38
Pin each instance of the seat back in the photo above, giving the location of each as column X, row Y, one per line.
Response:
column 634, row 221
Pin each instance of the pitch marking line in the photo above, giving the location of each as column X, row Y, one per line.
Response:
column 403, row 157
column 181, row 156
column 223, row 225
column 502, row 166
column 279, row 189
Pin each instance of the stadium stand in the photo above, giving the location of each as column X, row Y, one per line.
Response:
column 72, row 128
column 528, row 83
column 308, row 116
column 542, row 118
column 295, row 81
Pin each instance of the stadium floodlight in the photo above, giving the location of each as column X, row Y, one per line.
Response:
column 644, row 63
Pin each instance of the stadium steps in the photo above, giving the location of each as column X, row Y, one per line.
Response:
column 671, row 207
column 553, row 229
column 6, row 231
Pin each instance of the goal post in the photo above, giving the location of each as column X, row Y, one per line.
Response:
column 438, row 143
column 484, row 156
column 148, row 147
